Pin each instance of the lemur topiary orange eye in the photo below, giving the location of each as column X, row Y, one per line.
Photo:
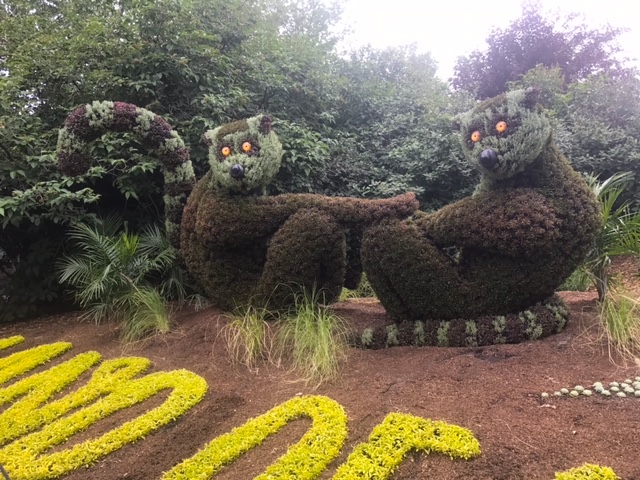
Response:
column 226, row 151
column 246, row 147
column 475, row 136
column 501, row 126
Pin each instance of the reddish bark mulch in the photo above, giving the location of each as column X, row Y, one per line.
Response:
column 494, row 391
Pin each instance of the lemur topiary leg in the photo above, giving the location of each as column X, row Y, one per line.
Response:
column 413, row 279
column 307, row 252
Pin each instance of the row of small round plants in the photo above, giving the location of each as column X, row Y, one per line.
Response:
column 623, row 389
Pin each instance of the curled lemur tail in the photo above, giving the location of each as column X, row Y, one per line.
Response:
column 88, row 122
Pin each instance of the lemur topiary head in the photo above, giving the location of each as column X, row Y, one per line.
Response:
column 503, row 135
column 244, row 156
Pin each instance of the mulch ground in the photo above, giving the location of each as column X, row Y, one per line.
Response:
column 493, row 391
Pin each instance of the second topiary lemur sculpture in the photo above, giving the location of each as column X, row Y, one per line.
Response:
column 241, row 245
column 478, row 270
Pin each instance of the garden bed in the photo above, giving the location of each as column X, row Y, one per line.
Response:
column 492, row 391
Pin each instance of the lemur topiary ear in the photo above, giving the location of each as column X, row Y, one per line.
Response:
column 455, row 124
column 206, row 140
column 265, row 124
column 531, row 96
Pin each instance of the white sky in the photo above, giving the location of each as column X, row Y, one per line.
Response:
column 452, row 28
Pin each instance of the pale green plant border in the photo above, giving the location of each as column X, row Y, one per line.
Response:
column 396, row 436
column 10, row 341
column 588, row 471
column 26, row 360
column 306, row 460
column 111, row 389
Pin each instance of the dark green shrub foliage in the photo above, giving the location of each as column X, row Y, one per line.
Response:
column 502, row 250
column 244, row 246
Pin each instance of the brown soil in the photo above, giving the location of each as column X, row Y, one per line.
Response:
column 493, row 391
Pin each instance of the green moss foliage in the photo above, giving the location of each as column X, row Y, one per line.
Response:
column 243, row 246
column 527, row 227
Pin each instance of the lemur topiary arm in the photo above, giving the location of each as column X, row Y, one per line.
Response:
column 90, row 121
column 237, row 220
column 511, row 222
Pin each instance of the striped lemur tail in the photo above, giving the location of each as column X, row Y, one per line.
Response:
column 88, row 122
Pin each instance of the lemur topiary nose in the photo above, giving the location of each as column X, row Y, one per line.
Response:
column 488, row 158
column 237, row 171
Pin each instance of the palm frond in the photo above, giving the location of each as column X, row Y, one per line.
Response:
column 113, row 273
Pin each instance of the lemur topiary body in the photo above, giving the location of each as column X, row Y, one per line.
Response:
column 244, row 246
column 502, row 250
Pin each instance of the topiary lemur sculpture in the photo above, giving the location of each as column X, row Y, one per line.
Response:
column 470, row 270
column 241, row 245
column 245, row 246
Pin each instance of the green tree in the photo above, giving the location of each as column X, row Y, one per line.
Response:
column 600, row 131
column 534, row 39
column 596, row 122
column 395, row 119
column 197, row 63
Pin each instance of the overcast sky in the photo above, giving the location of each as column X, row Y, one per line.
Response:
column 452, row 28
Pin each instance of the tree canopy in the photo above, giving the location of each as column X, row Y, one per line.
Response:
column 534, row 39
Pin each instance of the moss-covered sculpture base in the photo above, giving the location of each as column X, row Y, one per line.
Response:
column 541, row 320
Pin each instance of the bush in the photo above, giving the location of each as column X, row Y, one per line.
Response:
column 123, row 276
column 619, row 233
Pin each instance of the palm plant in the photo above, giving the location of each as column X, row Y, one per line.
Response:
column 123, row 276
column 620, row 232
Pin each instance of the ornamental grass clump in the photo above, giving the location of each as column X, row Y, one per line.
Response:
column 620, row 319
column 313, row 338
column 247, row 336
column 363, row 290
